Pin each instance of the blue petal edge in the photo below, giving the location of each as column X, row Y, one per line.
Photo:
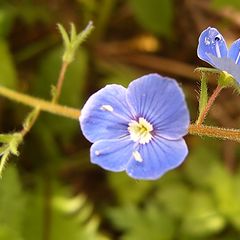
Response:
column 212, row 42
column 112, row 155
column 106, row 114
column 157, row 158
column 162, row 103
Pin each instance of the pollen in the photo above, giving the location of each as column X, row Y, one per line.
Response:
column 108, row 108
column 140, row 131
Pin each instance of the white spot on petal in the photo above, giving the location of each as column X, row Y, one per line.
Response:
column 207, row 41
column 97, row 153
column 108, row 108
column 137, row 156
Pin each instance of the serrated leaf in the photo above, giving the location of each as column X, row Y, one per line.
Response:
column 148, row 223
column 156, row 16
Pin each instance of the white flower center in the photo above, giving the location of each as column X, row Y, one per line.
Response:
column 140, row 131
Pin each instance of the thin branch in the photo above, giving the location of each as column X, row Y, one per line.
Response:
column 43, row 105
column 60, row 82
column 210, row 102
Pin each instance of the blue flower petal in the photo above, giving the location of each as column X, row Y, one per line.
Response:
column 158, row 157
column 106, row 114
column 211, row 42
column 112, row 154
column 161, row 102
column 228, row 65
column 234, row 51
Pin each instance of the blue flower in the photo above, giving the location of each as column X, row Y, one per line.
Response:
column 139, row 129
column 212, row 48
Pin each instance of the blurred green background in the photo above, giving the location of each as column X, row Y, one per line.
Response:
column 52, row 191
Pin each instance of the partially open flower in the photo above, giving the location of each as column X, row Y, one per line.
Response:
column 212, row 49
column 139, row 129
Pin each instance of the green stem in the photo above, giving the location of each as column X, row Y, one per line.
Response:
column 43, row 105
column 73, row 113
column 30, row 121
column 60, row 82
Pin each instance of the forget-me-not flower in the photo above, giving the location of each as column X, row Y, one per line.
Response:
column 213, row 49
column 139, row 129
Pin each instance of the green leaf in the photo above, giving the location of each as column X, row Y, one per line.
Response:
column 154, row 15
column 116, row 74
column 71, row 217
column 175, row 198
column 134, row 193
column 7, row 233
column 202, row 217
column 223, row 3
column 6, row 20
column 12, row 205
column 139, row 224
column 8, row 76
column 202, row 161
column 226, row 193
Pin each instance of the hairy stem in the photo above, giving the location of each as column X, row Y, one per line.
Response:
column 222, row 133
column 33, row 118
column 60, row 81
column 210, row 102
column 43, row 105
column 73, row 113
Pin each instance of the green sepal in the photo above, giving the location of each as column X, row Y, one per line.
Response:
column 203, row 97
column 207, row 70
column 226, row 80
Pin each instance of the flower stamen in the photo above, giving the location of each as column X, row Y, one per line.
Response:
column 140, row 131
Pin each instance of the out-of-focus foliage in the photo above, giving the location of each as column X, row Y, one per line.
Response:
column 222, row 3
column 8, row 74
column 154, row 15
column 51, row 191
column 197, row 204
column 73, row 89
column 22, row 212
